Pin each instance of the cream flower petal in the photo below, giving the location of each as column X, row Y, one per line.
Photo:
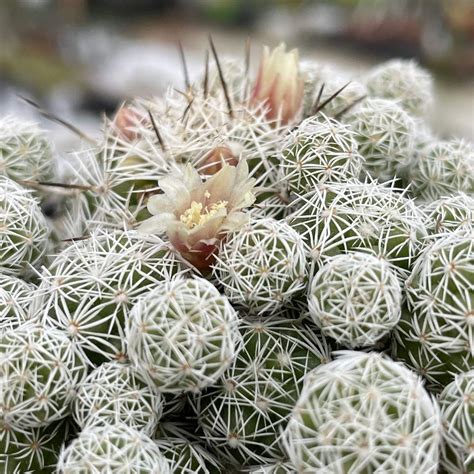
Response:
column 156, row 224
column 209, row 229
column 173, row 185
column 179, row 235
column 160, row 203
column 242, row 171
column 242, row 196
column 191, row 177
column 220, row 185
column 235, row 221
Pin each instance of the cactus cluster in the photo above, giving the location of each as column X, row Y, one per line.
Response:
column 268, row 274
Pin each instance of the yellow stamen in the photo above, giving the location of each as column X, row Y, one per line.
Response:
column 197, row 215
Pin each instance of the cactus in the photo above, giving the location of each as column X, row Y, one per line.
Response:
column 404, row 81
column 434, row 336
column 442, row 168
column 457, row 410
column 363, row 413
column 277, row 468
column 117, row 393
column 197, row 130
column 235, row 77
column 315, row 205
column 112, row 448
column 243, row 414
column 385, row 133
column 328, row 81
column 32, row 450
column 109, row 194
column 23, row 230
column 262, row 266
column 15, row 296
column 40, row 369
column 110, row 180
column 320, row 149
column 450, row 214
column 311, row 72
column 91, row 286
column 273, row 204
column 25, row 151
column 341, row 217
column 355, row 299
column 188, row 457
column 183, row 334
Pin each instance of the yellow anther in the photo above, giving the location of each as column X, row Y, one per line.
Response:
column 197, row 215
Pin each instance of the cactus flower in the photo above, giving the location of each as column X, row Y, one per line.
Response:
column 279, row 83
column 196, row 215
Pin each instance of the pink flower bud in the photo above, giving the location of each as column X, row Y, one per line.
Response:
column 126, row 121
column 279, row 84
column 214, row 160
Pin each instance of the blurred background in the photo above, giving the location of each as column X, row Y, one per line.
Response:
column 82, row 58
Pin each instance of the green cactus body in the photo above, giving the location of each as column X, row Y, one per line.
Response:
column 355, row 299
column 363, row 413
column 442, row 168
column 320, row 78
column 23, row 230
column 183, row 334
column 25, row 152
column 277, row 468
column 91, row 286
column 115, row 392
column 434, row 336
column 243, row 414
column 15, row 297
column 457, row 410
column 112, row 448
column 197, row 130
column 40, row 369
column 320, row 149
column 32, row 450
column 262, row 266
column 404, row 81
column 450, row 214
column 386, row 136
column 188, row 457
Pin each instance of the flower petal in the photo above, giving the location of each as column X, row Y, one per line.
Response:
column 156, row 224
column 235, row 220
column 160, row 203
